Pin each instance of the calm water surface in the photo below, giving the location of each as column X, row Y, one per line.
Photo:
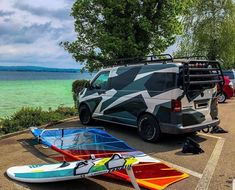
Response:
column 36, row 89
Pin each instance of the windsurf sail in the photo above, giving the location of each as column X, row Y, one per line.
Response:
column 80, row 143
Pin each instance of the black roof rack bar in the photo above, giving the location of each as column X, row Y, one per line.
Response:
column 204, row 61
column 141, row 60
column 203, row 69
column 205, row 82
column 204, row 75
column 161, row 58
column 192, row 57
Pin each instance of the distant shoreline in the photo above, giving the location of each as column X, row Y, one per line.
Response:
column 42, row 71
column 43, row 75
column 37, row 69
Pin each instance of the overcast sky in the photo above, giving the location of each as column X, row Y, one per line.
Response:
column 30, row 31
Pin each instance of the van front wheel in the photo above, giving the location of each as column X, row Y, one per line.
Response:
column 85, row 115
column 148, row 128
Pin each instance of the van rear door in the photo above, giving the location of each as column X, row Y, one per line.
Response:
column 199, row 84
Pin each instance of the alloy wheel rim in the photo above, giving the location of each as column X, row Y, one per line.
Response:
column 148, row 130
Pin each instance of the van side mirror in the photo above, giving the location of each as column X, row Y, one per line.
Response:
column 88, row 85
column 97, row 86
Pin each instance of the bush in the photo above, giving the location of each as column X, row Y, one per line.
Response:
column 77, row 86
column 27, row 117
column 9, row 126
column 66, row 111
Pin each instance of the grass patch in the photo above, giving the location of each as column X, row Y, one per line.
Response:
column 27, row 117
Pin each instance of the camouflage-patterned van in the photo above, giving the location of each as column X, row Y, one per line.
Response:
column 156, row 95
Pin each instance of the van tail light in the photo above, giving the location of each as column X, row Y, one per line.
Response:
column 176, row 106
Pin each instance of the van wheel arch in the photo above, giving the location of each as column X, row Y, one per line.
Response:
column 83, row 103
column 146, row 113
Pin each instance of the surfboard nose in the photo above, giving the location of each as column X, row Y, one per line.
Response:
column 10, row 172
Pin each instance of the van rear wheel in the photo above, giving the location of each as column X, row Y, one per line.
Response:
column 148, row 128
column 85, row 115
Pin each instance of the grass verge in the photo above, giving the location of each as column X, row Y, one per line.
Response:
column 27, row 117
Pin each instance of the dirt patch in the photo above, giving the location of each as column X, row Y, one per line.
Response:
column 8, row 141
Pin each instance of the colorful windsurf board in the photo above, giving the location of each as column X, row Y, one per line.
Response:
column 42, row 173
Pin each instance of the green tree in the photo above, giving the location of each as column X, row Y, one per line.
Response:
column 210, row 31
column 110, row 29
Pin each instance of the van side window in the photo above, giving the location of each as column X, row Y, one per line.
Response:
column 101, row 81
column 161, row 82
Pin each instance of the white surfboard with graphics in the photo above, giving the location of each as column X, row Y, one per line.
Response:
column 42, row 173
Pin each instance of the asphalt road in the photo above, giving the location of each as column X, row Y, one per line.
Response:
column 214, row 169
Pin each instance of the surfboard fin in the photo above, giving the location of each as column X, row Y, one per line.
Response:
column 64, row 164
column 131, row 175
column 92, row 157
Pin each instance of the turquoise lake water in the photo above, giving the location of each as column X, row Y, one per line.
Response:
column 36, row 92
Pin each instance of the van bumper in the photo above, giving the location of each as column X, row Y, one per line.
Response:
column 180, row 129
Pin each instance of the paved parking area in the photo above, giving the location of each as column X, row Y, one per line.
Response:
column 213, row 170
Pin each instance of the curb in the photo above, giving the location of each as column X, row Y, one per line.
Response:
column 42, row 126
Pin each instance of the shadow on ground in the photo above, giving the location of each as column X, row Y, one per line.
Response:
column 81, row 184
column 31, row 145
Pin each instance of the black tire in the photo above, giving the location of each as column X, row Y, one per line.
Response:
column 148, row 128
column 85, row 115
column 221, row 97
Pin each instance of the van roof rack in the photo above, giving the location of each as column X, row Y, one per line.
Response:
column 163, row 58
column 194, row 57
